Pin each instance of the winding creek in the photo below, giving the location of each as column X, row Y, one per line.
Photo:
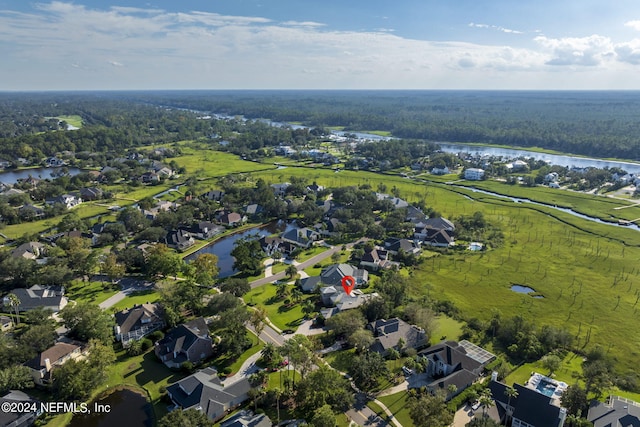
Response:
column 565, row 210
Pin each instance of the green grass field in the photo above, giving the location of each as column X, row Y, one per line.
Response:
column 397, row 404
column 281, row 315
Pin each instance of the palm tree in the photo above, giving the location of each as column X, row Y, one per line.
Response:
column 308, row 307
column 510, row 392
column 14, row 303
column 282, row 291
column 296, row 295
column 257, row 319
column 485, row 402
column 277, row 393
column 269, row 353
column 291, row 271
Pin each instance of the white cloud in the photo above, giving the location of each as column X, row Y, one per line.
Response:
column 495, row 27
column 633, row 24
column 303, row 24
column 629, row 52
column 70, row 46
column 587, row 51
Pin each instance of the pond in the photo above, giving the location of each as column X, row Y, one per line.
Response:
column 222, row 248
column 127, row 408
column 12, row 176
column 525, row 290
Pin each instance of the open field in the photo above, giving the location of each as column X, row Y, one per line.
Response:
column 206, row 163
column 397, row 404
column 73, row 120
column 586, row 271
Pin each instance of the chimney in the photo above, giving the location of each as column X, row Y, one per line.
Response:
column 494, row 376
column 47, row 364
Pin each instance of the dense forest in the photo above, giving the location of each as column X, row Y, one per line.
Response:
column 600, row 124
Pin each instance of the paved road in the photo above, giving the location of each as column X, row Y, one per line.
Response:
column 301, row 266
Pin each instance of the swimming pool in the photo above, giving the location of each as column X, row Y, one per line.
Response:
column 546, row 387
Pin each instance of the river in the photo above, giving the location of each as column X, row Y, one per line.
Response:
column 222, row 248
column 12, row 176
column 554, row 159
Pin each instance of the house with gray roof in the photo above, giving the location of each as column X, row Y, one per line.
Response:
column 451, row 363
column 246, row 418
column 310, row 284
column 615, row 411
column 29, row 250
column 179, row 239
column 393, row 245
column 49, row 297
column 388, row 334
column 204, row 392
column 530, row 408
column 136, row 323
column 333, row 274
column 188, row 342
column 302, row 237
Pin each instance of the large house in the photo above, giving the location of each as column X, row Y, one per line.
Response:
column 204, row 392
column 453, row 363
column 57, row 355
column 474, row 174
column 616, row 411
column 29, row 250
column 375, row 259
column 189, row 342
column 49, row 297
column 530, row 408
column 68, row 200
column 394, row 245
column 302, row 237
column 180, row 239
column 135, row 323
column 397, row 334
column 333, row 274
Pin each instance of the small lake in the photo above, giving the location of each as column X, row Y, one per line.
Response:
column 222, row 248
column 128, row 408
column 12, row 176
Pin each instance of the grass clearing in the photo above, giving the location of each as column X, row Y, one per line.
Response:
column 93, row 292
column 446, row 329
column 280, row 314
column 138, row 297
column 397, row 404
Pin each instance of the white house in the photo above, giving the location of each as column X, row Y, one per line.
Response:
column 474, row 174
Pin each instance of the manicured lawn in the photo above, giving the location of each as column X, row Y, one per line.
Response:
column 446, row 329
column 93, row 292
column 340, row 360
column 569, row 371
column 397, row 404
column 234, row 364
column 281, row 315
column 139, row 297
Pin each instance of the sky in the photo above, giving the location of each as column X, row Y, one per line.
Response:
column 320, row 44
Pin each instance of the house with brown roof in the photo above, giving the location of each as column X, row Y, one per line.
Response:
column 376, row 259
column 136, row 323
column 57, row 355
column 231, row 219
column 189, row 342
column 29, row 250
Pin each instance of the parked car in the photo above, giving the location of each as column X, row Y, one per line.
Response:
column 407, row 371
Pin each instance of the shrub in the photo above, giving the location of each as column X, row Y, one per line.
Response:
column 156, row 336
column 187, row 367
column 146, row 344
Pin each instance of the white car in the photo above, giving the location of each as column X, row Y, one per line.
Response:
column 475, row 405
